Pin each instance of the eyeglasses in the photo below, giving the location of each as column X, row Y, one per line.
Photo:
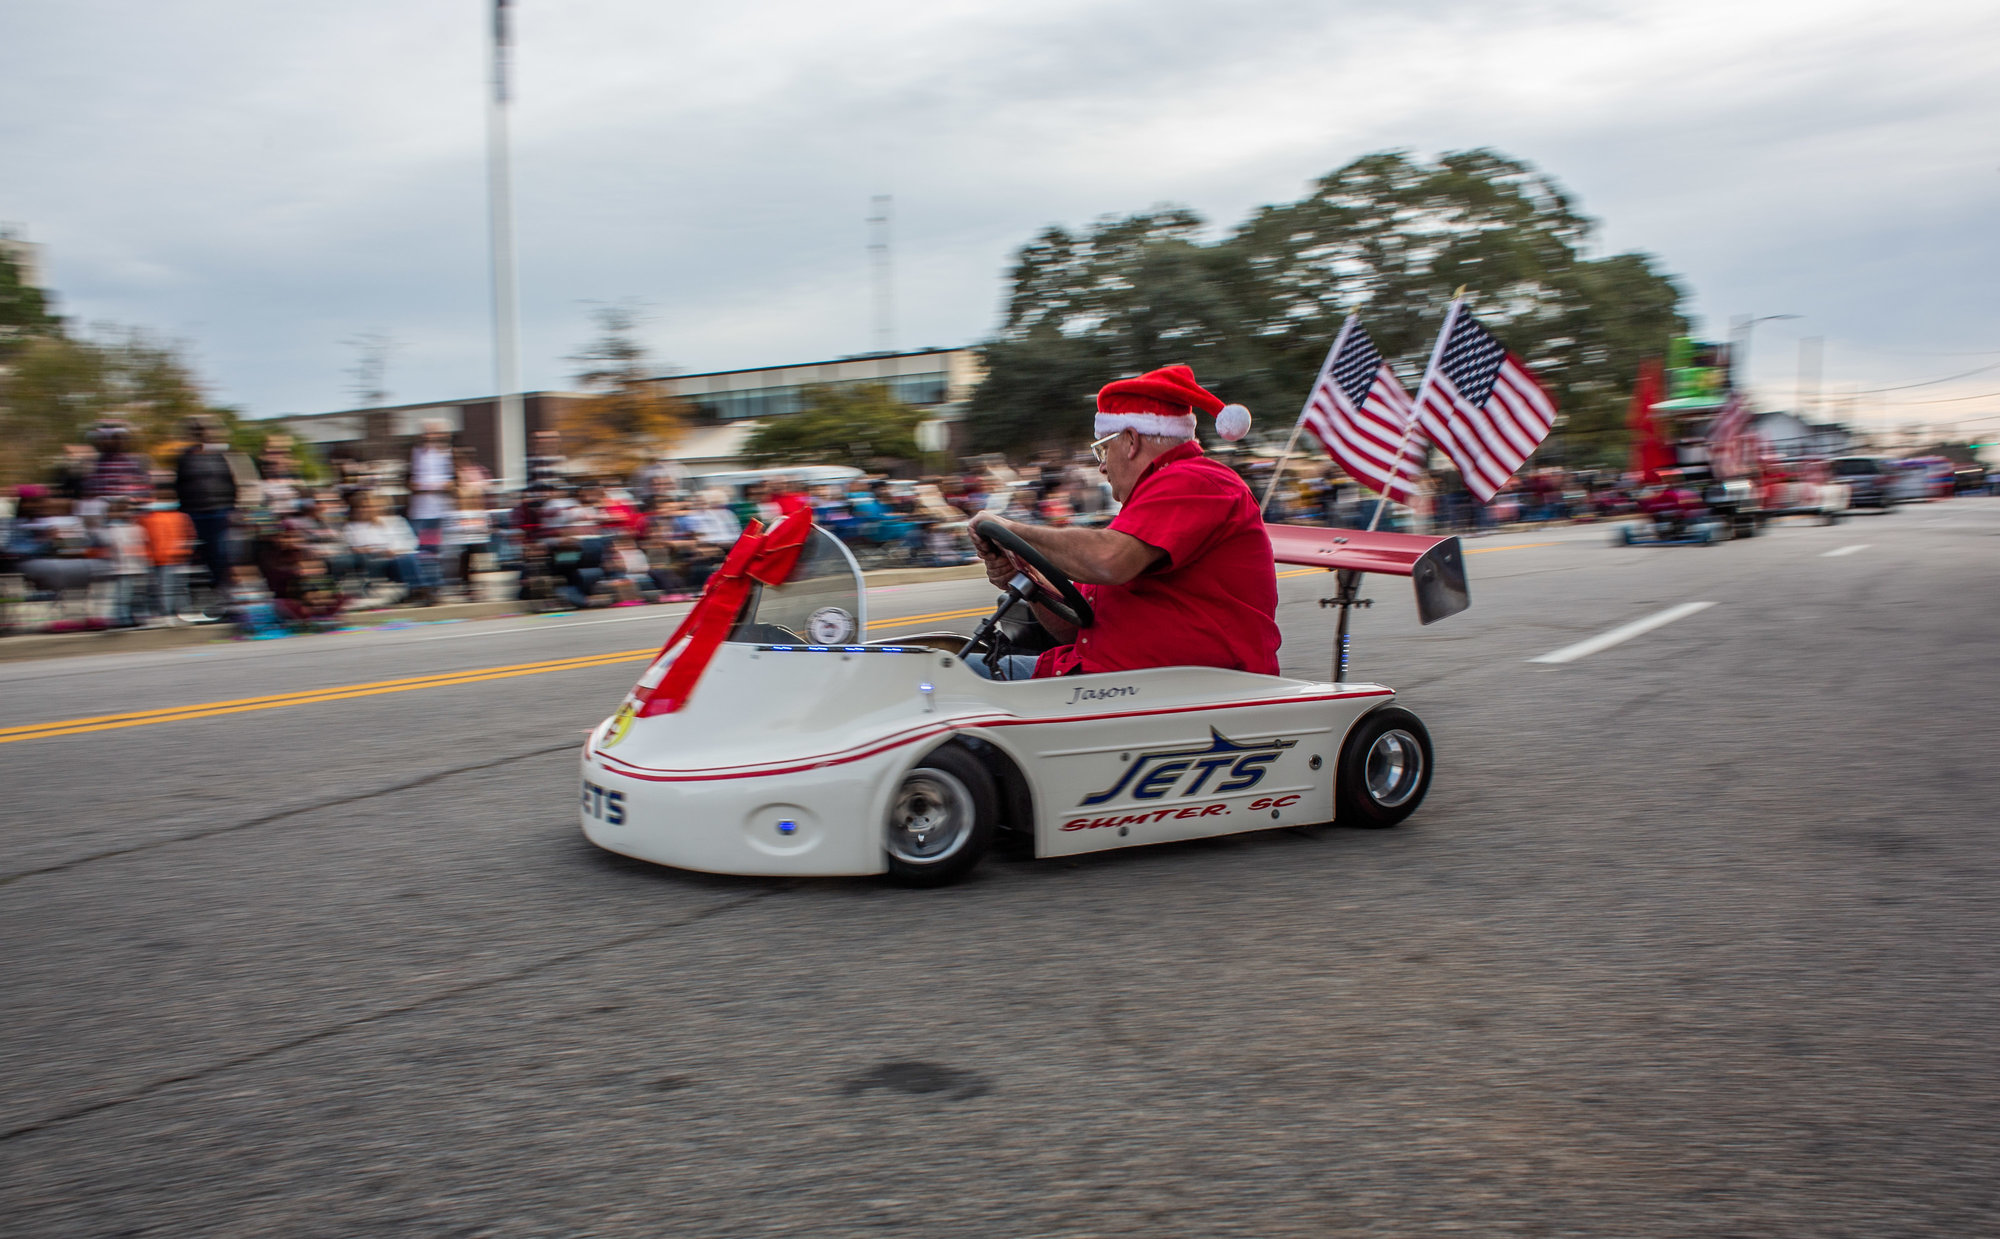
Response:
column 1097, row 449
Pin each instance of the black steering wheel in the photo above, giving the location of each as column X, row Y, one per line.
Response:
column 1068, row 601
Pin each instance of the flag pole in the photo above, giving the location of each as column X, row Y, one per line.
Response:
column 1416, row 406
column 1346, row 327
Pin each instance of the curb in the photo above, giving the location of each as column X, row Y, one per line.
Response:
column 30, row 646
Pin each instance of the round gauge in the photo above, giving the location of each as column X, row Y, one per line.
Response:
column 830, row 626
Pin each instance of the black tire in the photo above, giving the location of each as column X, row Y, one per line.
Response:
column 1386, row 740
column 953, row 793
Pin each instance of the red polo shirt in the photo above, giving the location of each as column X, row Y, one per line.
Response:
column 1212, row 602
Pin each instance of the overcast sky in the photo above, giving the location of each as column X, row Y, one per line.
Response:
column 267, row 181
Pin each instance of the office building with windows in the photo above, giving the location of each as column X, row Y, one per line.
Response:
column 927, row 378
column 727, row 407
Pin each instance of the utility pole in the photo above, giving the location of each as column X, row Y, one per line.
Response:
column 1811, row 349
column 512, row 430
column 370, row 370
column 882, row 262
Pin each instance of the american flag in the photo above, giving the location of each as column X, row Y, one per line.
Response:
column 1481, row 406
column 1360, row 414
column 1733, row 447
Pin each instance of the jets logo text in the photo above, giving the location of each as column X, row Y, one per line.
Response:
column 1221, row 766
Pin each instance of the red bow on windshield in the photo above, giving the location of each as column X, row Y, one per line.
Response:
column 759, row 556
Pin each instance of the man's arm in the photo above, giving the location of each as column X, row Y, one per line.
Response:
column 1087, row 556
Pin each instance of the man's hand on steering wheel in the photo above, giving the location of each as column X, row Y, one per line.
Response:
column 1008, row 556
column 1000, row 566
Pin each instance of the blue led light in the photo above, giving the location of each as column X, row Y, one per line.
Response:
column 926, row 688
column 788, row 827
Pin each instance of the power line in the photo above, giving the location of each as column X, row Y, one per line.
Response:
column 1847, row 346
column 1945, row 400
column 1876, row 391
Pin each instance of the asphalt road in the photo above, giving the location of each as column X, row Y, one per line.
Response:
column 1696, row 935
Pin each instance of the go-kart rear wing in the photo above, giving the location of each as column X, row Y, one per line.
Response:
column 1435, row 566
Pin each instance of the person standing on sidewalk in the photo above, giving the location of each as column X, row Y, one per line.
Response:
column 169, row 535
column 123, row 544
column 433, row 477
column 205, row 487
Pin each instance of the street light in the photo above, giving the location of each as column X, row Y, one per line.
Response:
column 1740, row 328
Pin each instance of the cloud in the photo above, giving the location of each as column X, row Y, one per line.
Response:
column 271, row 180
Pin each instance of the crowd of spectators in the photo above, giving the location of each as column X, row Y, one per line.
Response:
column 111, row 540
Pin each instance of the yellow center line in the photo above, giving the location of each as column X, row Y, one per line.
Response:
column 924, row 619
column 479, row 675
column 1524, row 546
column 212, row 709
column 278, row 699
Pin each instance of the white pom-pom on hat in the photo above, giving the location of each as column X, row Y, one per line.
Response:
column 1232, row 422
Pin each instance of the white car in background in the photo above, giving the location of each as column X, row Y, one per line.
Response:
column 803, row 750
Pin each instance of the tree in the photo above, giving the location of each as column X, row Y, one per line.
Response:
column 24, row 309
column 56, row 387
column 1255, row 310
column 861, row 426
column 628, row 418
column 56, row 384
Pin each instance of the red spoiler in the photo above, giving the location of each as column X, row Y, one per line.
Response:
column 1436, row 566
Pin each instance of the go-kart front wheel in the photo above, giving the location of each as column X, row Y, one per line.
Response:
column 941, row 819
column 1385, row 769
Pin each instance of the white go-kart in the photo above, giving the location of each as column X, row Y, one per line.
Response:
column 798, row 748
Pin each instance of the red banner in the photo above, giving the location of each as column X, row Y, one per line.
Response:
column 759, row 556
column 1650, row 452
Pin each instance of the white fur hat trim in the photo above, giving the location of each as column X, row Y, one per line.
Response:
column 1161, row 424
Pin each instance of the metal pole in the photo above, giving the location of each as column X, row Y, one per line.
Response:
column 1346, row 326
column 1739, row 346
column 882, row 259
column 1809, row 366
column 1423, row 391
column 511, row 425
column 1348, row 584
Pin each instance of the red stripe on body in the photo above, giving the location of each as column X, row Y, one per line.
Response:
column 655, row 774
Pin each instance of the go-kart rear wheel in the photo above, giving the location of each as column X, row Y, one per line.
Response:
column 941, row 819
column 1385, row 769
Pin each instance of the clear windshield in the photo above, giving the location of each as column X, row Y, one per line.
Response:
column 823, row 603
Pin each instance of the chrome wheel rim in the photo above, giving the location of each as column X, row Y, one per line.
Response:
column 1395, row 768
column 930, row 819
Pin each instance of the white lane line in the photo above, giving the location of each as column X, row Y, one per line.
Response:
column 1605, row 640
column 1838, row 551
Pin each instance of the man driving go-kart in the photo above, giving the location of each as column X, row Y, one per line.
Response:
column 1183, row 575
column 770, row 736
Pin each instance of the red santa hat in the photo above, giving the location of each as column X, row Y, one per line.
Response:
column 1164, row 403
